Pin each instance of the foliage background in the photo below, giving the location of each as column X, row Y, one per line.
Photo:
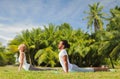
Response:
column 95, row 48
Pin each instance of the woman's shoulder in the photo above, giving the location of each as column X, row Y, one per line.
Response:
column 63, row 51
column 22, row 53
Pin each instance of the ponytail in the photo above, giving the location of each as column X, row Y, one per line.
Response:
column 65, row 43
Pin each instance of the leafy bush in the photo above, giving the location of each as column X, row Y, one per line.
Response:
column 6, row 59
column 2, row 59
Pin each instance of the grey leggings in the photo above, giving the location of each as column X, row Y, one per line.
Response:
column 40, row 69
column 34, row 68
column 75, row 68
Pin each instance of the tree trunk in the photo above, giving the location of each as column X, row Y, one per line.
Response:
column 29, row 57
column 111, row 62
column 95, row 25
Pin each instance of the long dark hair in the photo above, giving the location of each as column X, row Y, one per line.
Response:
column 65, row 43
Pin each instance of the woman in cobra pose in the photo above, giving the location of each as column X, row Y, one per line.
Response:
column 67, row 66
column 22, row 60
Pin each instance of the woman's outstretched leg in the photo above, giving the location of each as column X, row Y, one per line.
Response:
column 34, row 68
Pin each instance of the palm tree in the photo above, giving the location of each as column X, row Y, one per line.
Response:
column 46, row 57
column 110, row 46
column 114, row 20
column 95, row 17
column 114, row 28
column 31, row 39
column 48, row 43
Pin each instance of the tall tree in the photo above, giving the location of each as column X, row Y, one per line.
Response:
column 113, row 27
column 114, row 19
column 95, row 16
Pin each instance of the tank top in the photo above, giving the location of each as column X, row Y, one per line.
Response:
column 25, row 65
column 61, row 54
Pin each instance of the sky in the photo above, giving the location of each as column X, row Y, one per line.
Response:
column 18, row 15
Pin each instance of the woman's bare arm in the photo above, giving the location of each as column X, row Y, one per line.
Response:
column 21, row 60
column 65, row 62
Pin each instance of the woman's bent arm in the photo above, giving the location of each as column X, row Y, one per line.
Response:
column 65, row 63
column 21, row 60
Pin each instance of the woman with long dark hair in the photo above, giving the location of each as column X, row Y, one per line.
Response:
column 67, row 66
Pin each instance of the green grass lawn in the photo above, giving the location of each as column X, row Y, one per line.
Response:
column 10, row 72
